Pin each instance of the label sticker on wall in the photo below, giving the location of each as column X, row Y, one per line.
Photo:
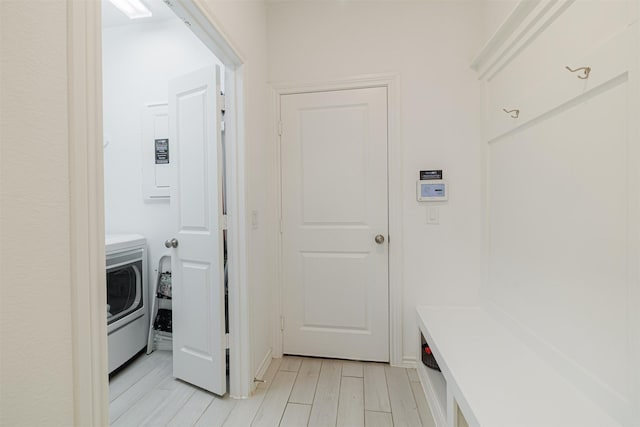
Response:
column 162, row 151
column 432, row 174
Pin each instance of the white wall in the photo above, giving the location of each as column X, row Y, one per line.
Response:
column 430, row 45
column 244, row 24
column 563, row 227
column 35, row 319
column 35, row 293
column 138, row 62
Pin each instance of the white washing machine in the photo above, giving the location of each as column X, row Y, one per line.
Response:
column 127, row 292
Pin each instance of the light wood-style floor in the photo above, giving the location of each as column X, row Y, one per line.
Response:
column 297, row 392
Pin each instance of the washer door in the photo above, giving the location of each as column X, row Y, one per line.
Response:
column 125, row 299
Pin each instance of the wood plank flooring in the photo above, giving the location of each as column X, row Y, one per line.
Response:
column 297, row 392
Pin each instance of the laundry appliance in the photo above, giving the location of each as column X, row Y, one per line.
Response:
column 127, row 304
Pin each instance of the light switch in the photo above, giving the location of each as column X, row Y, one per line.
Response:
column 433, row 215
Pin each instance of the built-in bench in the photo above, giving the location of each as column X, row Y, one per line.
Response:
column 491, row 378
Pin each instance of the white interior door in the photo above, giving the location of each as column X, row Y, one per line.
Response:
column 334, row 204
column 197, row 261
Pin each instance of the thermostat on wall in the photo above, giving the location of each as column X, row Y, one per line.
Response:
column 434, row 190
column 431, row 187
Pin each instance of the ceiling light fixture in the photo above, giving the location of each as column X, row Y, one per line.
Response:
column 134, row 9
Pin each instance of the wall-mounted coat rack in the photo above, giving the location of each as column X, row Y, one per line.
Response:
column 586, row 71
column 514, row 113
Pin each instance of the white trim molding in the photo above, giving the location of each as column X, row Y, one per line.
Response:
column 205, row 26
column 241, row 383
column 396, row 308
column 525, row 23
column 87, row 264
column 408, row 362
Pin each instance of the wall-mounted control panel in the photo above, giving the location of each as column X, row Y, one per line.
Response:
column 431, row 187
column 157, row 166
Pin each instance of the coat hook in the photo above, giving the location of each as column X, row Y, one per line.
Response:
column 515, row 114
column 586, row 70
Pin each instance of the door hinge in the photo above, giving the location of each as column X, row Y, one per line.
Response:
column 280, row 128
column 224, row 222
column 222, row 102
column 226, row 340
column 282, row 323
column 222, row 125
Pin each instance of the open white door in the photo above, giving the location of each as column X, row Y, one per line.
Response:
column 197, row 257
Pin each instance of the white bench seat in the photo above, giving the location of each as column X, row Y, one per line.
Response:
column 495, row 379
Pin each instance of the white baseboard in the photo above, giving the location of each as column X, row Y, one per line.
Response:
column 264, row 365
column 407, row 362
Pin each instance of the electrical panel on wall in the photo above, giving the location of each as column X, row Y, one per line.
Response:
column 156, row 152
column 431, row 187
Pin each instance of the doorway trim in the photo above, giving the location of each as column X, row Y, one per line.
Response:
column 394, row 181
column 87, row 261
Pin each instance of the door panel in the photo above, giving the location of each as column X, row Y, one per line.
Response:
column 330, row 163
column 325, row 287
column 334, row 203
column 197, row 262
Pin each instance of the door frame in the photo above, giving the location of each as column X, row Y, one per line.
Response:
column 391, row 82
column 87, row 263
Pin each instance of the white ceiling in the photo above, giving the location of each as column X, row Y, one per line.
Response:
column 112, row 17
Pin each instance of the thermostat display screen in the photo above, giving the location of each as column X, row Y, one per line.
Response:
column 432, row 190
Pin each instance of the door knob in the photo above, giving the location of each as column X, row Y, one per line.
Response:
column 173, row 243
column 379, row 239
